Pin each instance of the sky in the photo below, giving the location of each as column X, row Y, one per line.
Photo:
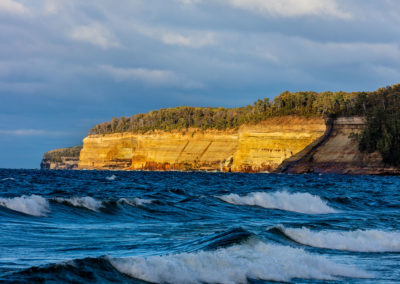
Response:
column 66, row 66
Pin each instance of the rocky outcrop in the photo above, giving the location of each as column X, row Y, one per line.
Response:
column 264, row 146
column 338, row 153
column 61, row 159
column 251, row 148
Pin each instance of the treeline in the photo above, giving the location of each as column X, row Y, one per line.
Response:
column 301, row 103
column 57, row 154
column 382, row 131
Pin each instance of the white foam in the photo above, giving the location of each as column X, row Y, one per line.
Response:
column 296, row 202
column 236, row 264
column 9, row 178
column 135, row 201
column 113, row 177
column 32, row 205
column 83, row 202
column 359, row 240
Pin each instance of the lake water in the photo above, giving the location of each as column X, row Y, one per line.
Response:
column 173, row 227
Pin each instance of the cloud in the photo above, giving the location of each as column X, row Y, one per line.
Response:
column 194, row 39
column 152, row 77
column 285, row 8
column 95, row 34
column 51, row 7
column 31, row 132
column 12, row 7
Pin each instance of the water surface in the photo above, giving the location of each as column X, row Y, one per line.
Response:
column 173, row 227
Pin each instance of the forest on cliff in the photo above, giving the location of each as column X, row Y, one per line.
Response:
column 381, row 108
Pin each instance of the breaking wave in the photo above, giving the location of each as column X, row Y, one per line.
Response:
column 236, row 264
column 296, row 202
column 358, row 240
column 111, row 178
column 135, row 201
column 8, row 178
column 32, row 205
column 83, row 202
column 36, row 205
column 95, row 205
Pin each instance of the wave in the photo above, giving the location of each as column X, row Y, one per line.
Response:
column 33, row 205
column 111, row 178
column 36, row 205
column 83, row 202
column 87, row 270
column 135, row 201
column 236, row 264
column 95, row 205
column 296, row 202
column 8, row 178
column 358, row 240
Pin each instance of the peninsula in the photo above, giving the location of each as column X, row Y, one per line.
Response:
column 355, row 133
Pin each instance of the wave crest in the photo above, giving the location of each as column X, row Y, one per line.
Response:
column 32, row 205
column 111, row 178
column 135, row 201
column 83, row 202
column 235, row 264
column 296, row 202
column 358, row 240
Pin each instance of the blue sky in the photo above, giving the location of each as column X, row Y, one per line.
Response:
column 66, row 66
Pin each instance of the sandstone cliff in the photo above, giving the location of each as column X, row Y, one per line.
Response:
column 61, row 159
column 338, row 153
column 251, row 148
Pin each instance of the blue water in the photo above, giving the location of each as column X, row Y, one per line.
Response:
column 172, row 227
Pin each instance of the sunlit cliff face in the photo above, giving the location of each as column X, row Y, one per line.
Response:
column 251, row 148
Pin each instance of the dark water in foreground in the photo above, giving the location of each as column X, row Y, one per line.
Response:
column 171, row 227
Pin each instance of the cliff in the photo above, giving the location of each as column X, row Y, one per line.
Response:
column 338, row 153
column 251, row 148
column 61, row 159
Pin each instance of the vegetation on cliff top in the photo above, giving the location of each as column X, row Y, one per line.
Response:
column 301, row 103
column 381, row 109
column 382, row 131
column 56, row 155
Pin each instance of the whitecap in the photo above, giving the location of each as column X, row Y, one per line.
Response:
column 113, row 177
column 83, row 202
column 8, row 178
column 358, row 240
column 135, row 201
column 236, row 264
column 34, row 205
column 296, row 202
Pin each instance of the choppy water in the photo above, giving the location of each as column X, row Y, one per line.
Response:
column 171, row 227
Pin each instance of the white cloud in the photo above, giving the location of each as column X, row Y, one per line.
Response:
column 188, row 40
column 194, row 39
column 95, row 34
column 51, row 7
column 12, row 7
column 285, row 8
column 153, row 76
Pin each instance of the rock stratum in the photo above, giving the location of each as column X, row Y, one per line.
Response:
column 287, row 144
column 251, row 148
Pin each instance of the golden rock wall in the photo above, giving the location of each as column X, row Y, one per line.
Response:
column 251, row 148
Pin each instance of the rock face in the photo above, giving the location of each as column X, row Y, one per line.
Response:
column 251, row 148
column 338, row 153
column 61, row 159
